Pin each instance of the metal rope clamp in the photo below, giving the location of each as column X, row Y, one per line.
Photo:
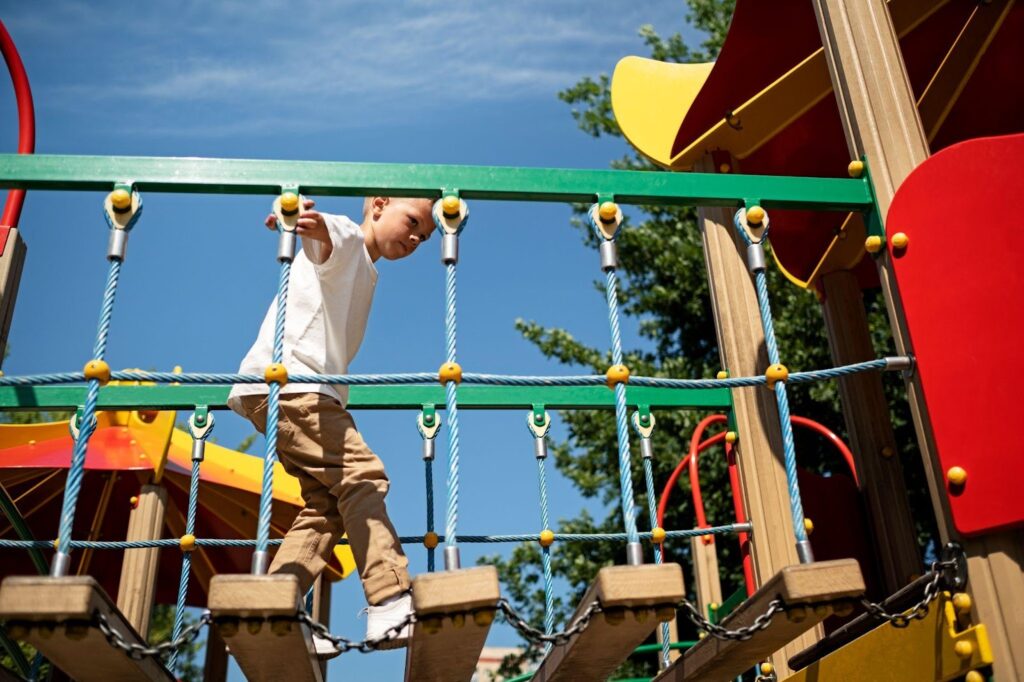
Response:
column 450, row 217
column 539, row 423
column 287, row 208
column 200, row 426
column 428, row 423
column 121, row 208
column 606, row 218
column 644, row 430
column 755, row 234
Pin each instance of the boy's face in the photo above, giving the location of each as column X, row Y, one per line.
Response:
column 400, row 225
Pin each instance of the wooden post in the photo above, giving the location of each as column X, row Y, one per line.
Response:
column 215, row 664
column 872, row 441
column 881, row 121
column 12, row 260
column 138, row 570
column 759, row 449
column 706, row 580
column 321, row 611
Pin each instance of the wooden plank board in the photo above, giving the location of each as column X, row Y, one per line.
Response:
column 631, row 598
column 255, row 614
column 138, row 568
column 55, row 615
column 819, row 586
column 454, row 611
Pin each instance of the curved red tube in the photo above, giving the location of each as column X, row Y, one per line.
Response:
column 26, row 125
column 836, row 441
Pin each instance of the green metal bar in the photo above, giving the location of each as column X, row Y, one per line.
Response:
column 248, row 176
column 371, row 397
column 14, row 651
column 20, row 526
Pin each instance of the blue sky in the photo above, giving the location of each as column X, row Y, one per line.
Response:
column 412, row 81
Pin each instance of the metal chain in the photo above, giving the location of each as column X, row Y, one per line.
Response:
column 918, row 610
column 345, row 644
column 739, row 634
column 137, row 651
column 534, row 635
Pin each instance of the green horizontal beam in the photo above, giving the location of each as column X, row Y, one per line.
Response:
column 248, row 176
column 371, row 397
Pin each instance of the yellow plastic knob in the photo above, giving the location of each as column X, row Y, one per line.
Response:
column 430, row 540
column 657, row 535
column 722, row 374
column 974, row 676
column 963, row 649
column 451, row 206
column 547, row 538
column 617, row 374
column 755, row 215
column 873, row 244
column 608, row 211
column 134, row 501
column 808, row 525
column 121, row 199
column 289, row 202
column 767, row 668
column 484, row 617
column 900, row 240
column 962, row 602
column 956, row 476
column 450, row 371
column 888, row 452
column 731, row 436
column 856, row 168
column 276, row 374
column 97, row 369
column 776, row 372
column 187, row 542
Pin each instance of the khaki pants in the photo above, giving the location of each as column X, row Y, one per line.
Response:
column 343, row 485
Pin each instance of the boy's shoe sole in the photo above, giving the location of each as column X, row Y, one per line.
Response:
column 396, row 643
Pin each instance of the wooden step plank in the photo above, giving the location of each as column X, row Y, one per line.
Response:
column 631, row 599
column 55, row 615
column 256, row 616
column 454, row 611
column 810, row 591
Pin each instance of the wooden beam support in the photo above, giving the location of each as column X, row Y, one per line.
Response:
column 634, row 601
column 881, row 121
column 706, row 580
column 809, row 592
column 12, row 261
column 759, row 458
column 57, row 616
column 138, row 570
column 256, row 616
column 454, row 612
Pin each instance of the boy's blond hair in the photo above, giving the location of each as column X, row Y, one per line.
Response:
column 368, row 203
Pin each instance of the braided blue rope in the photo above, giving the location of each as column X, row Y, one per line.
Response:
column 76, row 471
column 652, row 509
column 186, row 560
column 451, row 397
column 621, row 421
column 781, row 398
column 273, row 410
column 428, row 473
column 545, row 552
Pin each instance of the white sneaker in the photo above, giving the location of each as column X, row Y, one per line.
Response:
column 387, row 615
column 325, row 648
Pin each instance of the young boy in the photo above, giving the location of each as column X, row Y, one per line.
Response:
column 343, row 482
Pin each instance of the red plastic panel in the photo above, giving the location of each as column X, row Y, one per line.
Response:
column 961, row 279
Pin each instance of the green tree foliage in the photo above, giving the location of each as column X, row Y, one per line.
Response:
column 664, row 290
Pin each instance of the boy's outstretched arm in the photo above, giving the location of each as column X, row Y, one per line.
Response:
column 310, row 225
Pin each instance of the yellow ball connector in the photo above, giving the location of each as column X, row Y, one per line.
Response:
column 856, row 168
column 808, row 525
column 957, row 476
column 731, row 437
column 776, row 373
column 289, row 203
column 450, row 371
column 430, row 540
column 121, row 200
column 899, row 240
column 451, row 206
column 608, row 211
column 755, row 215
column 873, row 244
column 767, row 669
column 962, row 603
column 617, row 374
column 722, row 374
column 657, row 535
column 547, row 538
column 276, row 374
column 187, row 542
column 97, row 369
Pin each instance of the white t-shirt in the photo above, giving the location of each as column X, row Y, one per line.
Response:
column 328, row 306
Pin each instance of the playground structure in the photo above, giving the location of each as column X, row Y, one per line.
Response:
column 955, row 630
